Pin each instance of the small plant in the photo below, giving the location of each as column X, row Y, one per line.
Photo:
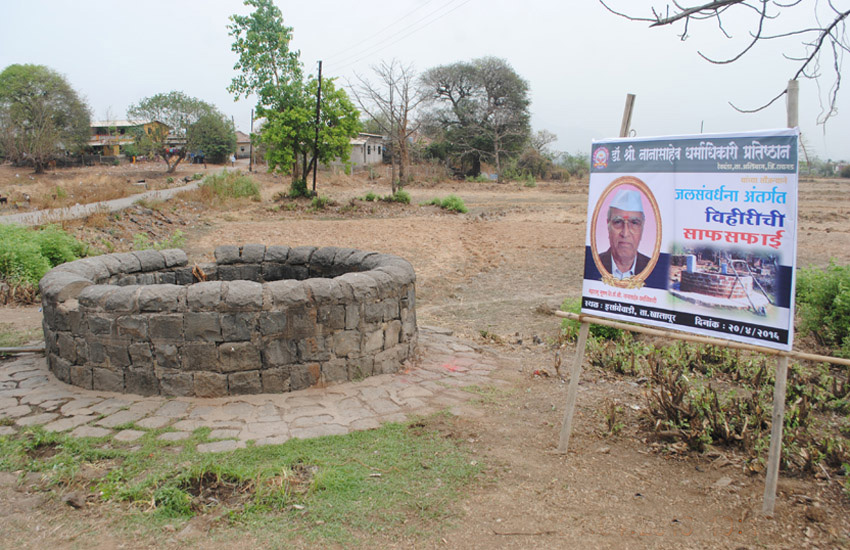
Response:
column 480, row 178
column 169, row 180
column 59, row 193
column 614, row 418
column 197, row 176
column 321, row 202
column 570, row 327
column 370, row 197
column 230, row 185
column 27, row 254
column 452, row 203
column 298, row 189
column 143, row 242
column 823, row 302
column 400, row 196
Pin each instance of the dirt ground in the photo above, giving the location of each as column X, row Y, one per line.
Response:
column 491, row 275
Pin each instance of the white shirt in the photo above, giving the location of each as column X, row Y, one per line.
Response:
column 622, row 274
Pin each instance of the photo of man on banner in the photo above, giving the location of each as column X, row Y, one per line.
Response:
column 625, row 220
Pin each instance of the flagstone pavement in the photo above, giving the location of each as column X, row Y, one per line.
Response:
column 30, row 395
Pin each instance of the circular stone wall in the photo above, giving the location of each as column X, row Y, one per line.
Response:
column 258, row 320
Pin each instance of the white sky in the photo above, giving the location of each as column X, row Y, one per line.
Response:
column 579, row 59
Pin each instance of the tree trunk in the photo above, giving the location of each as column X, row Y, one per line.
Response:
column 393, row 172
column 403, row 164
column 476, row 166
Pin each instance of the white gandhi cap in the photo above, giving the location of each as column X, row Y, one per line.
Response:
column 627, row 199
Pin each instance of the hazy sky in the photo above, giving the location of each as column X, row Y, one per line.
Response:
column 579, row 59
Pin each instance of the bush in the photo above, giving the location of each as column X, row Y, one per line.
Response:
column 27, row 254
column 845, row 172
column 298, row 189
column 401, row 196
column 370, row 197
column 321, row 202
column 823, row 303
column 231, row 185
column 452, row 203
column 480, row 178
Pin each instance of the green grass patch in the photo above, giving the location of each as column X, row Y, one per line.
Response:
column 143, row 242
column 400, row 196
column 230, row 184
column 11, row 336
column 452, row 203
column 27, row 254
column 334, row 489
column 823, row 303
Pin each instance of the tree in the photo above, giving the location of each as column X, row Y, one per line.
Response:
column 480, row 108
column 176, row 110
column 41, row 116
column 391, row 103
column 540, row 141
column 214, row 135
column 826, row 38
column 269, row 69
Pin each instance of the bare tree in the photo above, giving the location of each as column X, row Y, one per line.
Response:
column 541, row 139
column 391, row 103
column 826, row 38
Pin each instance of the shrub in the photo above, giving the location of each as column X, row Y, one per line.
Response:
column 143, row 242
column 321, row 202
column 231, row 185
column 480, row 178
column 845, row 172
column 453, row 203
column 401, row 196
column 298, row 189
column 370, row 197
column 823, row 302
column 27, row 254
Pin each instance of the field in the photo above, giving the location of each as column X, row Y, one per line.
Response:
column 491, row 276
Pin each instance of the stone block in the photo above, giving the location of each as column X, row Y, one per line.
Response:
column 302, row 323
column 67, row 346
column 236, row 327
column 346, row 343
column 112, row 265
column 272, row 323
column 303, row 376
column 364, row 287
column 373, row 312
column 321, row 291
column 81, row 376
column 174, row 257
column 209, row 384
column 352, row 316
column 97, row 352
column 227, row 254
column 58, row 286
column 277, row 254
column 312, row 349
column 100, row 324
column 107, row 379
column 287, row 293
column 82, row 349
column 162, row 297
column 167, row 356
column 123, row 299
column 141, row 381
column 335, row 370
column 117, row 354
column 198, row 356
column 373, row 341
column 253, row 253
column 244, row 272
column 204, row 296
column 323, row 258
column 130, row 263
column 275, row 380
column 150, row 260
column 277, row 353
column 93, row 297
column 166, row 327
column 140, row 355
column 360, row 367
column 273, row 272
column 388, row 362
column 244, row 382
column 132, row 326
column 60, row 368
column 300, row 255
column 238, row 356
column 392, row 334
column 202, row 326
column 166, row 278
column 244, row 295
column 332, row 318
column 176, row 383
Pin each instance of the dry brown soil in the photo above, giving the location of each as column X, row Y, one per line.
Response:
column 496, row 271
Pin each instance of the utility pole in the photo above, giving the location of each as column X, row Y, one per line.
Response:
column 318, row 115
column 251, row 144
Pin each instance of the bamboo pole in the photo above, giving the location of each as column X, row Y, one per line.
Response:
column 581, row 317
column 572, row 393
column 775, row 452
column 24, row 349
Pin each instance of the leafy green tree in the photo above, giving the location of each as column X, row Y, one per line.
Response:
column 481, row 108
column 176, row 110
column 214, row 135
column 41, row 116
column 268, row 68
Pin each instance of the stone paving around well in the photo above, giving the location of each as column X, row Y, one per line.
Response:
column 30, row 395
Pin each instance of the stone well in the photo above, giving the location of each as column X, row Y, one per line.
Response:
column 716, row 284
column 258, row 320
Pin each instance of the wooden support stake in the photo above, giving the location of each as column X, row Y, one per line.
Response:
column 775, row 452
column 575, row 373
column 626, row 125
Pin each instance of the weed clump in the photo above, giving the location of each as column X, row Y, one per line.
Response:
column 823, row 302
column 452, row 203
column 27, row 254
column 230, row 185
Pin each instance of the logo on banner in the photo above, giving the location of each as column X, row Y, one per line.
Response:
column 600, row 158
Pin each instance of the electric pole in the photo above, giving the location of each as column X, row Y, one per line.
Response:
column 316, row 143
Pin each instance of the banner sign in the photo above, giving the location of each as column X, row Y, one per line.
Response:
column 695, row 233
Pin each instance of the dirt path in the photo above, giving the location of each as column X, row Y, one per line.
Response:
column 497, row 270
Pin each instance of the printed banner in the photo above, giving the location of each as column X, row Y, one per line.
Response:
column 695, row 233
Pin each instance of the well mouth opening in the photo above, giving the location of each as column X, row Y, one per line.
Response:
column 257, row 320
